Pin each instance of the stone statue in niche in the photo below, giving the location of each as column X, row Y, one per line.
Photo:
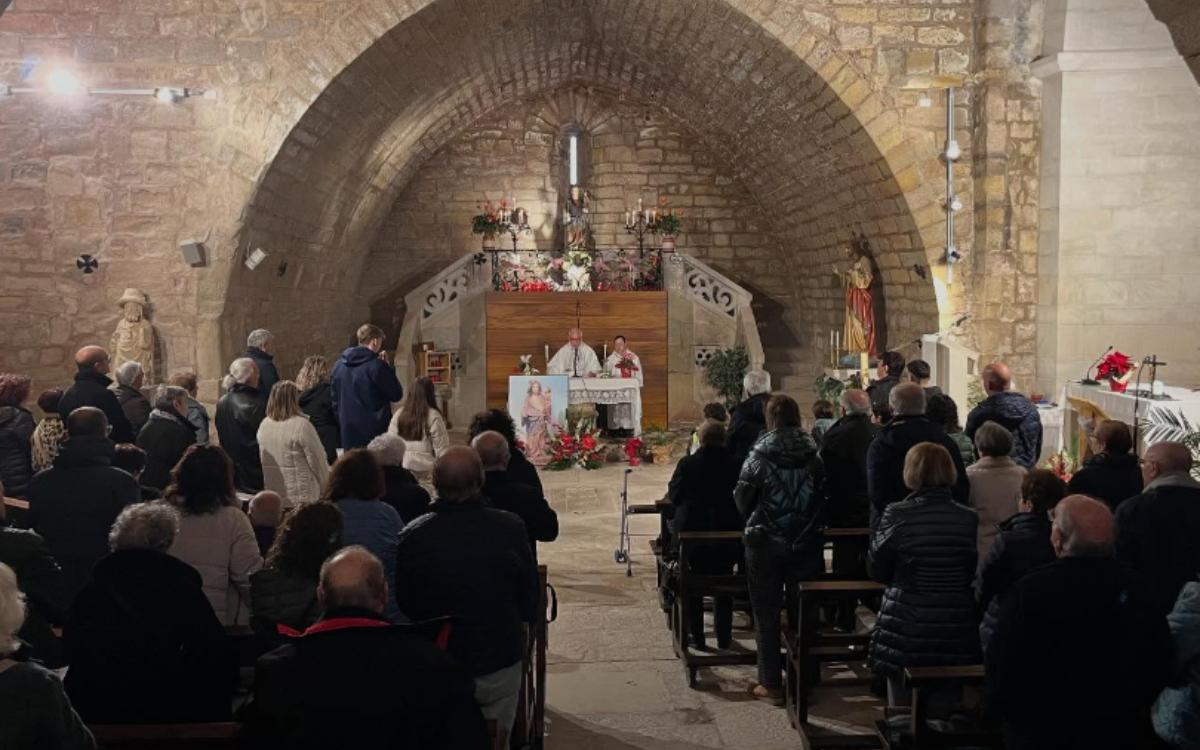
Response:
column 576, row 219
column 134, row 338
column 860, row 331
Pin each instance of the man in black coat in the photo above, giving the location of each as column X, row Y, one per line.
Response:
column 363, row 387
column 885, row 457
column 471, row 562
column 520, row 468
column 353, row 680
column 541, row 522
column 891, row 367
column 91, row 389
column 166, row 436
column 130, row 379
column 1012, row 411
column 239, row 413
column 1081, row 649
column 1112, row 474
column 41, row 580
column 1158, row 530
column 748, row 420
column 73, row 504
column 258, row 348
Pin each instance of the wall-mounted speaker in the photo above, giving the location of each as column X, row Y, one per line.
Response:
column 193, row 252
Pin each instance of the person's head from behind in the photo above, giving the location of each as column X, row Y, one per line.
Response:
column 92, row 359
column 918, row 372
column 493, row 451
column 941, row 409
column 262, row 339
column 266, row 509
column 1040, row 491
column 1082, row 527
column 854, row 401
column 242, row 371
column 356, row 474
column 370, row 336
column 996, row 378
column 1112, row 436
column 388, row 449
column 711, row 434
column 1163, row 459
column 130, row 459
column 928, row 465
column 716, row 412
column 284, row 402
column 12, row 611
column 907, row 400
column 187, row 381
column 48, row 401
column 130, row 375
column 87, row 422
column 458, row 475
column 882, row 414
column 756, row 382
column 993, row 441
column 313, row 372
column 171, row 399
column 493, row 420
column 822, row 409
column 305, row 539
column 891, row 364
column 782, row 411
column 14, row 389
column 148, row 526
column 352, row 577
column 202, row 481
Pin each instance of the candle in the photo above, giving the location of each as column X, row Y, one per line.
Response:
column 864, row 363
column 547, row 357
column 639, row 205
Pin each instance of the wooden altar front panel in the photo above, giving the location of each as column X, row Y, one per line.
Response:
column 525, row 323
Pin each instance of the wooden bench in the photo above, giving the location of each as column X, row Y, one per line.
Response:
column 919, row 735
column 529, row 729
column 803, row 652
column 208, row 736
column 692, row 584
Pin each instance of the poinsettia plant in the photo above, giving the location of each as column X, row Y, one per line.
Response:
column 582, row 449
column 487, row 222
column 1116, row 368
column 627, row 365
column 633, row 451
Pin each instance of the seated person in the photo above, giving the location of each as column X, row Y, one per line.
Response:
column 401, row 490
column 1112, row 473
column 34, row 710
column 354, row 681
column 713, row 412
column 284, row 592
column 541, row 522
column 41, row 581
column 520, row 469
column 266, row 513
column 143, row 642
column 132, row 459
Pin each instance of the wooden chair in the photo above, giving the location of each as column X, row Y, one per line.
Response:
column 692, row 584
column 919, row 735
column 529, row 729
column 209, row 736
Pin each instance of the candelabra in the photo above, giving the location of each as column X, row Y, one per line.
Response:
column 514, row 222
column 640, row 223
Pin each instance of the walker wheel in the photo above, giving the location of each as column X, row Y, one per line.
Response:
column 692, row 678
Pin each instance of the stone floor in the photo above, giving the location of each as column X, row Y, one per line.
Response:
column 613, row 680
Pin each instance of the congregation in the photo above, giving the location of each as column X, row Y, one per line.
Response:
column 358, row 545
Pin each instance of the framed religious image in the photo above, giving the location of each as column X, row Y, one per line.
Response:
column 538, row 405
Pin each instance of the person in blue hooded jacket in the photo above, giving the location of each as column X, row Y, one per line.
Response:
column 364, row 386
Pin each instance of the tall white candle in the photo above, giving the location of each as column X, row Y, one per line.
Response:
column 547, row 357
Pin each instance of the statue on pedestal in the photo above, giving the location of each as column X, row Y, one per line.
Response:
column 860, row 313
column 576, row 219
column 134, row 338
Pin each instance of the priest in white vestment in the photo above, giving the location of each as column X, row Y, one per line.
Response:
column 623, row 363
column 576, row 359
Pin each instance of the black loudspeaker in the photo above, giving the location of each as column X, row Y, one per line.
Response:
column 193, row 252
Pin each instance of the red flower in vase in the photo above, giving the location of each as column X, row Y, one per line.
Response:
column 589, row 443
column 1114, row 365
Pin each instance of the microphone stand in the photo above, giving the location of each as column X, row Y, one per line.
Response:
column 1087, row 376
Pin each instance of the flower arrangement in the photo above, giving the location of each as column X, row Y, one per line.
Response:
column 1062, row 464
column 535, row 285
column 669, row 222
column 627, row 365
column 487, row 222
column 526, row 366
column 1117, row 369
column 582, row 449
column 633, row 451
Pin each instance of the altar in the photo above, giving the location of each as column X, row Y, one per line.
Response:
column 609, row 392
column 1168, row 420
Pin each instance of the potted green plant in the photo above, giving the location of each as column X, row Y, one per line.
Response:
column 725, row 371
column 668, row 225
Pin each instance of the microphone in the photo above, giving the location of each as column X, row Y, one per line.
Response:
column 575, row 362
column 1087, row 376
column 961, row 320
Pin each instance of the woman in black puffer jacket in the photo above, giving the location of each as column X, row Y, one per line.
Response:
column 923, row 548
column 16, row 435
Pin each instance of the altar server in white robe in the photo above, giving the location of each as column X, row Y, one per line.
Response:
column 623, row 363
column 576, row 359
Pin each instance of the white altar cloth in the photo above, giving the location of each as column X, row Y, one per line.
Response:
column 1158, row 421
column 608, row 391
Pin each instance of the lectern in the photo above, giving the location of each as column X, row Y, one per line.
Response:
column 951, row 367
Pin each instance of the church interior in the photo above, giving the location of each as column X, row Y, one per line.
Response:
column 769, row 203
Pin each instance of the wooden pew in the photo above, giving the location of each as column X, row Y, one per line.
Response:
column 692, row 584
column 919, row 735
column 209, row 736
column 529, row 729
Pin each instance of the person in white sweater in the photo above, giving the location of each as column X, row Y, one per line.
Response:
column 423, row 429
column 293, row 458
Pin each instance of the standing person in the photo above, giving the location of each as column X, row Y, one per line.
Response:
column 284, row 592
column 423, row 428
column 891, row 367
column 527, row 503
column 1112, row 473
column 215, row 537
column 941, row 409
column 363, row 388
column 34, row 709
column 316, row 400
column 747, row 421
column 73, row 504
column 50, row 433
column 401, row 489
column 923, row 549
column 166, row 435
column 197, row 415
column 919, row 372
column 266, row 514
column 472, row 563
column 91, row 389
column 701, row 489
column 356, row 486
column 1081, row 648
column 16, row 434
column 130, row 379
column 778, row 493
column 623, row 363
column 1157, row 530
column 520, row 469
column 823, row 419
column 575, row 358
column 293, row 459
column 1012, row 411
column 844, row 454
column 260, row 348
column 995, row 483
column 240, row 412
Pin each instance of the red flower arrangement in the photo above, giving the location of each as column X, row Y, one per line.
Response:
column 536, row 285
column 633, row 451
column 627, row 366
column 582, row 449
column 1115, row 368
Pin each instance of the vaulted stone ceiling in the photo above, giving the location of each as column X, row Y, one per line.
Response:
column 1182, row 17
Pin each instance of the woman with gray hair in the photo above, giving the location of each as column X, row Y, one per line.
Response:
column 401, row 489
column 130, row 378
column 239, row 413
column 144, row 643
column 34, row 710
column 166, row 435
column 995, row 483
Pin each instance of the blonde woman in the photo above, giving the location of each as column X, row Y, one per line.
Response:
column 293, row 459
column 316, row 401
column 423, row 428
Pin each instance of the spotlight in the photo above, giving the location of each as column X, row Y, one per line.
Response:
column 953, row 152
column 952, row 255
column 255, row 257
column 63, row 83
column 955, row 205
column 168, row 95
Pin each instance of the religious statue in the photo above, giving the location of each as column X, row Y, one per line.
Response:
column 134, row 338
column 860, row 313
column 576, row 219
